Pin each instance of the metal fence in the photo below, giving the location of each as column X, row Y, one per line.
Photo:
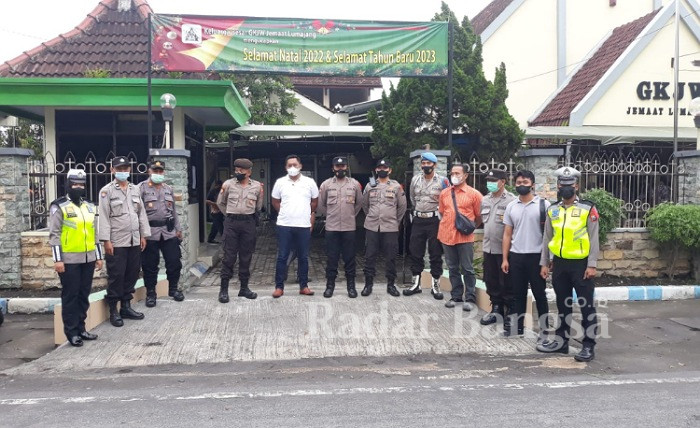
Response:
column 46, row 172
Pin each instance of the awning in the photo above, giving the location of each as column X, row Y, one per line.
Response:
column 611, row 134
column 301, row 131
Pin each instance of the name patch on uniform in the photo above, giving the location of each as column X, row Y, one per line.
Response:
column 576, row 212
column 70, row 212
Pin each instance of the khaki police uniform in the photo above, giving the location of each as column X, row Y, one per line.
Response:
column 163, row 220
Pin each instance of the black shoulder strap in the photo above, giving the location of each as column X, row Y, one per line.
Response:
column 543, row 214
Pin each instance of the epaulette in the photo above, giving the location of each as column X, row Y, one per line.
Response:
column 60, row 201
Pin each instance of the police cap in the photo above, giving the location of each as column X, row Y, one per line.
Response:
column 242, row 163
column 496, row 174
column 157, row 164
column 76, row 176
column 567, row 175
column 120, row 161
column 340, row 160
column 383, row 162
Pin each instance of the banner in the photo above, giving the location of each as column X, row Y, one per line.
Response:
column 298, row 46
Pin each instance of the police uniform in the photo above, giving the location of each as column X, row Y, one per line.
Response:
column 159, row 202
column 497, row 287
column 571, row 234
column 340, row 199
column 240, row 202
column 425, row 222
column 384, row 205
column 73, row 241
column 123, row 222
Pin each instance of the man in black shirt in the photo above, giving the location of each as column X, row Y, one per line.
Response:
column 217, row 217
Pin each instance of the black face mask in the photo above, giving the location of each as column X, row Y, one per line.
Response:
column 427, row 169
column 382, row 174
column 75, row 194
column 240, row 177
column 566, row 192
column 523, row 190
column 341, row 173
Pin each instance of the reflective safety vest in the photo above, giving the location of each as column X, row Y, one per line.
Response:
column 570, row 230
column 78, row 232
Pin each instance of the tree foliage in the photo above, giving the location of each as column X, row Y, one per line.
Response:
column 27, row 135
column 415, row 113
column 676, row 227
column 609, row 211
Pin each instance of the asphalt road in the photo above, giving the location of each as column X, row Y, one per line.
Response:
column 646, row 374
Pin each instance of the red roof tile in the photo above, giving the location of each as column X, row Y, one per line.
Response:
column 488, row 14
column 558, row 111
column 336, row 81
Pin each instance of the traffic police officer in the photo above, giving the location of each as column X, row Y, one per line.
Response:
column 425, row 196
column 76, row 252
column 340, row 198
column 384, row 203
column 571, row 232
column 493, row 207
column 166, row 234
column 122, row 229
column 241, row 198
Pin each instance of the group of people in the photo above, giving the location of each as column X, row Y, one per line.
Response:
column 137, row 223
column 524, row 238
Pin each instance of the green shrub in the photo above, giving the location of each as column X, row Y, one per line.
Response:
column 676, row 227
column 609, row 208
column 100, row 73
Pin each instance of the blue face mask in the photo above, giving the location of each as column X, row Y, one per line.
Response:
column 157, row 178
column 492, row 186
column 121, row 176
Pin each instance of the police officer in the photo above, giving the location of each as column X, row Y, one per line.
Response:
column 166, row 234
column 340, row 198
column 240, row 199
column 76, row 252
column 384, row 203
column 122, row 229
column 493, row 207
column 425, row 196
column 571, row 232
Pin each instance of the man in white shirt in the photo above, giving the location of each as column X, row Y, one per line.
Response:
column 295, row 198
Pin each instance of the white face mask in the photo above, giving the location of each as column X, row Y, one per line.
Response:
column 455, row 180
column 293, row 171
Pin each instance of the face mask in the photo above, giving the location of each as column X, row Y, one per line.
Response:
column 427, row 169
column 523, row 190
column 383, row 174
column 340, row 173
column 455, row 180
column 157, row 178
column 293, row 171
column 492, row 186
column 566, row 192
column 76, row 193
column 121, row 176
column 241, row 176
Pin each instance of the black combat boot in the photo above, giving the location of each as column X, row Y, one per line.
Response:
column 176, row 294
column 391, row 288
column 151, row 298
column 330, row 286
column 352, row 293
column 246, row 292
column 114, row 317
column 127, row 312
column 223, row 291
column 369, row 283
column 492, row 317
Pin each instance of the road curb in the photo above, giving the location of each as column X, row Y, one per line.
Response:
column 638, row 293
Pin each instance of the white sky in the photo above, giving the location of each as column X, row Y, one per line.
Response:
column 28, row 23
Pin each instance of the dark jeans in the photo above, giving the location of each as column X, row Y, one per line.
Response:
column 217, row 225
column 151, row 258
column 289, row 238
column 567, row 275
column 239, row 242
column 459, row 260
column 524, row 271
column 424, row 231
column 497, row 286
column 389, row 244
column 122, row 272
column 338, row 243
column 76, row 283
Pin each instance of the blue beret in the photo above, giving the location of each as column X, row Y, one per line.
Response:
column 429, row 157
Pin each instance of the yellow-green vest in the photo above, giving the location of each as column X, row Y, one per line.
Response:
column 570, row 230
column 78, row 232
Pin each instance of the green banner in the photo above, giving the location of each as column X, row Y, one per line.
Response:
column 299, row 46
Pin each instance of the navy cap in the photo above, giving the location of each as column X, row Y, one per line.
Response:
column 340, row 160
column 157, row 164
column 383, row 162
column 120, row 161
column 496, row 174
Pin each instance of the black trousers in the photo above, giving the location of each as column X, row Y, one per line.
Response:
column 122, row 272
column 424, row 231
column 338, row 243
column 389, row 244
column 524, row 271
column 217, row 225
column 497, row 283
column 567, row 275
column 239, row 242
column 151, row 258
column 76, row 283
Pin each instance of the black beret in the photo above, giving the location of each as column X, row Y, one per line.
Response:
column 243, row 163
